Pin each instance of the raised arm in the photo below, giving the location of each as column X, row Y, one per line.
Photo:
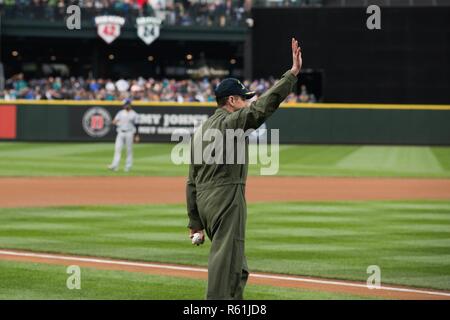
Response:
column 261, row 109
column 296, row 57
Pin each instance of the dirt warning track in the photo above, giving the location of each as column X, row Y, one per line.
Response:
column 60, row 191
column 278, row 280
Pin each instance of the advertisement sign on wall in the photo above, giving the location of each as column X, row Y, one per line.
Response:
column 155, row 123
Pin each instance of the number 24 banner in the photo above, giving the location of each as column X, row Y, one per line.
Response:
column 148, row 28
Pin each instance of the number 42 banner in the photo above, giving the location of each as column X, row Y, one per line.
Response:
column 108, row 27
column 148, row 28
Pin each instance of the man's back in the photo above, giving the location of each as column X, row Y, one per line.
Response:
column 224, row 160
column 215, row 151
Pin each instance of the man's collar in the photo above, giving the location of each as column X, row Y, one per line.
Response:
column 225, row 110
column 222, row 110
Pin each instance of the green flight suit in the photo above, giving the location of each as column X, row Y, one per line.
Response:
column 216, row 194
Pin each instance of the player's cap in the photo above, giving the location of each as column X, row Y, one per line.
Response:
column 233, row 87
column 126, row 102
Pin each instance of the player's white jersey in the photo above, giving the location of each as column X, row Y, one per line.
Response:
column 126, row 120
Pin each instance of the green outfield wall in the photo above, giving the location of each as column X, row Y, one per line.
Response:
column 298, row 123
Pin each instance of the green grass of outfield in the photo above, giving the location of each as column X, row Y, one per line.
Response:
column 408, row 240
column 21, row 280
column 91, row 159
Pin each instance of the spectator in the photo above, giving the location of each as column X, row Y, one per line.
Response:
column 176, row 12
column 122, row 85
column 94, row 86
column 291, row 98
column 109, row 86
column 139, row 89
column 9, row 94
column 19, row 83
column 304, row 96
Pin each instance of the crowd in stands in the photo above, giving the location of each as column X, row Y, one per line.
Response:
column 173, row 12
column 56, row 88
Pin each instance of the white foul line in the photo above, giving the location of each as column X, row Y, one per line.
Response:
column 100, row 261
column 254, row 275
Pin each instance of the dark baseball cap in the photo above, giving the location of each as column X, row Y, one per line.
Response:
column 233, row 87
column 126, row 102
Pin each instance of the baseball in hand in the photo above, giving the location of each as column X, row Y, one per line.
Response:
column 197, row 239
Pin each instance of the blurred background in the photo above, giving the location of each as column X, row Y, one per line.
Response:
column 407, row 61
column 200, row 42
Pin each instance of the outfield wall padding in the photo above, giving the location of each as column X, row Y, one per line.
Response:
column 315, row 124
column 362, row 126
column 42, row 123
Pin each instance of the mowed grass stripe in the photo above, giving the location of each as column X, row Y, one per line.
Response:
column 441, row 154
column 404, row 158
column 334, row 240
column 91, row 159
column 40, row 281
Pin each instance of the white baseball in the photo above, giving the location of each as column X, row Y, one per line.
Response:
column 197, row 238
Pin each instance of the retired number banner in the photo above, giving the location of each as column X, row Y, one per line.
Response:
column 148, row 29
column 108, row 27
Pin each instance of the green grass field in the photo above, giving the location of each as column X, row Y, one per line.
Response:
column 91, row 159
column 408, row 240
column 40, row 281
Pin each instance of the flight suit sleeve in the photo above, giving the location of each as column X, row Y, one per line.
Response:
column 261, row 109
column 191, row 197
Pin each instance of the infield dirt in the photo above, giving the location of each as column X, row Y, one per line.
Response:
column 61, row 191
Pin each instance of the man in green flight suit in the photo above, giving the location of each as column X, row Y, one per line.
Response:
column 216, row 191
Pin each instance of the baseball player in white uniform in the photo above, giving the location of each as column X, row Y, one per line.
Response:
column 126, row 121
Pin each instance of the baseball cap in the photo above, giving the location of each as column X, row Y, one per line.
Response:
column 126, row 102
column 233, row 87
